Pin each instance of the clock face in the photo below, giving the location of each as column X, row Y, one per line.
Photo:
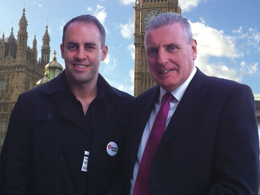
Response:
column 150, row 15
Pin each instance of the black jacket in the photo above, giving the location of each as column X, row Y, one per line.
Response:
column 48, row 134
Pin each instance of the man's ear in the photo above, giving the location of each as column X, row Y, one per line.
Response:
column 194, row 49
column 61, row 50
column 104, row 52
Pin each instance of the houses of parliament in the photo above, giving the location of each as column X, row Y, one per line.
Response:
column 21, row 69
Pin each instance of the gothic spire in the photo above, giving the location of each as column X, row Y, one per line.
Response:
column 34, row 48
column 22, row 40
column 11, row 37
column 46, row 36
column 45, row 52
column 34, row 42
column 23, row 20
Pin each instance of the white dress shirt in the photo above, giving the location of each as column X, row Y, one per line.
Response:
column 177, row 94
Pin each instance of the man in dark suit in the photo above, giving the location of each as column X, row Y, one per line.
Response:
column 209, row 140
column 67, row 137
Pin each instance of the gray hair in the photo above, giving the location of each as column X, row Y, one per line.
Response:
column 89, row 19
column 168, row 18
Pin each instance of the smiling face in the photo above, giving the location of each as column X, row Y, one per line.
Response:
column 170, row 57
column 82, row 53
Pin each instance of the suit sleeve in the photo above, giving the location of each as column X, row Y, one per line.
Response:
column 15, row 160
column 236, row 155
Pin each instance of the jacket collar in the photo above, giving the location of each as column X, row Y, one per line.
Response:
column 58, row 89
column 60, row 84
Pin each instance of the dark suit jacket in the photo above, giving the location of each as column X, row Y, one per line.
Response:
column 210, row 146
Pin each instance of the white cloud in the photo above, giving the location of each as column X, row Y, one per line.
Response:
column 61, row 26
column 222, row 71
column 248, row 39
column 127, row 2
column 100, row 13
column 37, row 4
column 187, row 5
column 131, row 49
column 126, row 87
column 238, row 30
column 132, row 75
column 255, row 34
column 127, row 30
column 214, row 43
column 110, row 64
column 249, row 69
column 131, row 88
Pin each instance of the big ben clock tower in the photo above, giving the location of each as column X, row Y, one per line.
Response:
column 145, row 11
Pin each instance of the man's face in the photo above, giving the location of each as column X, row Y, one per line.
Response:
column 170, row 57
column 82, row 53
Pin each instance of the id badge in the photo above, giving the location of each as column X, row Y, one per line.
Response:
column 84, row 167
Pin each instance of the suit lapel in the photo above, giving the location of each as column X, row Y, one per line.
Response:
column 188, row 104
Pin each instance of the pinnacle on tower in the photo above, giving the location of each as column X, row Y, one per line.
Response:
column 46, row 36
column 22, row 40
column 23, row 20
column 11, row 37
column 45, row 52
column 34, row 42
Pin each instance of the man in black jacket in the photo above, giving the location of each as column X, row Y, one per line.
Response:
column 67, row 136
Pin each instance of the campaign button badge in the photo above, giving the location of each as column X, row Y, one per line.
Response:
column 112, row 148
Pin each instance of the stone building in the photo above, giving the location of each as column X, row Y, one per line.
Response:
column 19, row 68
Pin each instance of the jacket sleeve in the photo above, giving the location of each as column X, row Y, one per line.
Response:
column 16, row 154
column 236, row 155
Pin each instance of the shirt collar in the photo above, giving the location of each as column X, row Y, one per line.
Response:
column 179, row 92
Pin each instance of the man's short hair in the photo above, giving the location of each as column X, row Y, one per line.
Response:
column 168, row 18
column 90, row 20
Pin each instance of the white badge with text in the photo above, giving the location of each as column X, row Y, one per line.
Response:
column 84, row 167
column 112, row 148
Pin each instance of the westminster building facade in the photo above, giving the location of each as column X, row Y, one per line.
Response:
column 20, row 68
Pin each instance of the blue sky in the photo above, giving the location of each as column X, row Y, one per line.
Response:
column 227, row 32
